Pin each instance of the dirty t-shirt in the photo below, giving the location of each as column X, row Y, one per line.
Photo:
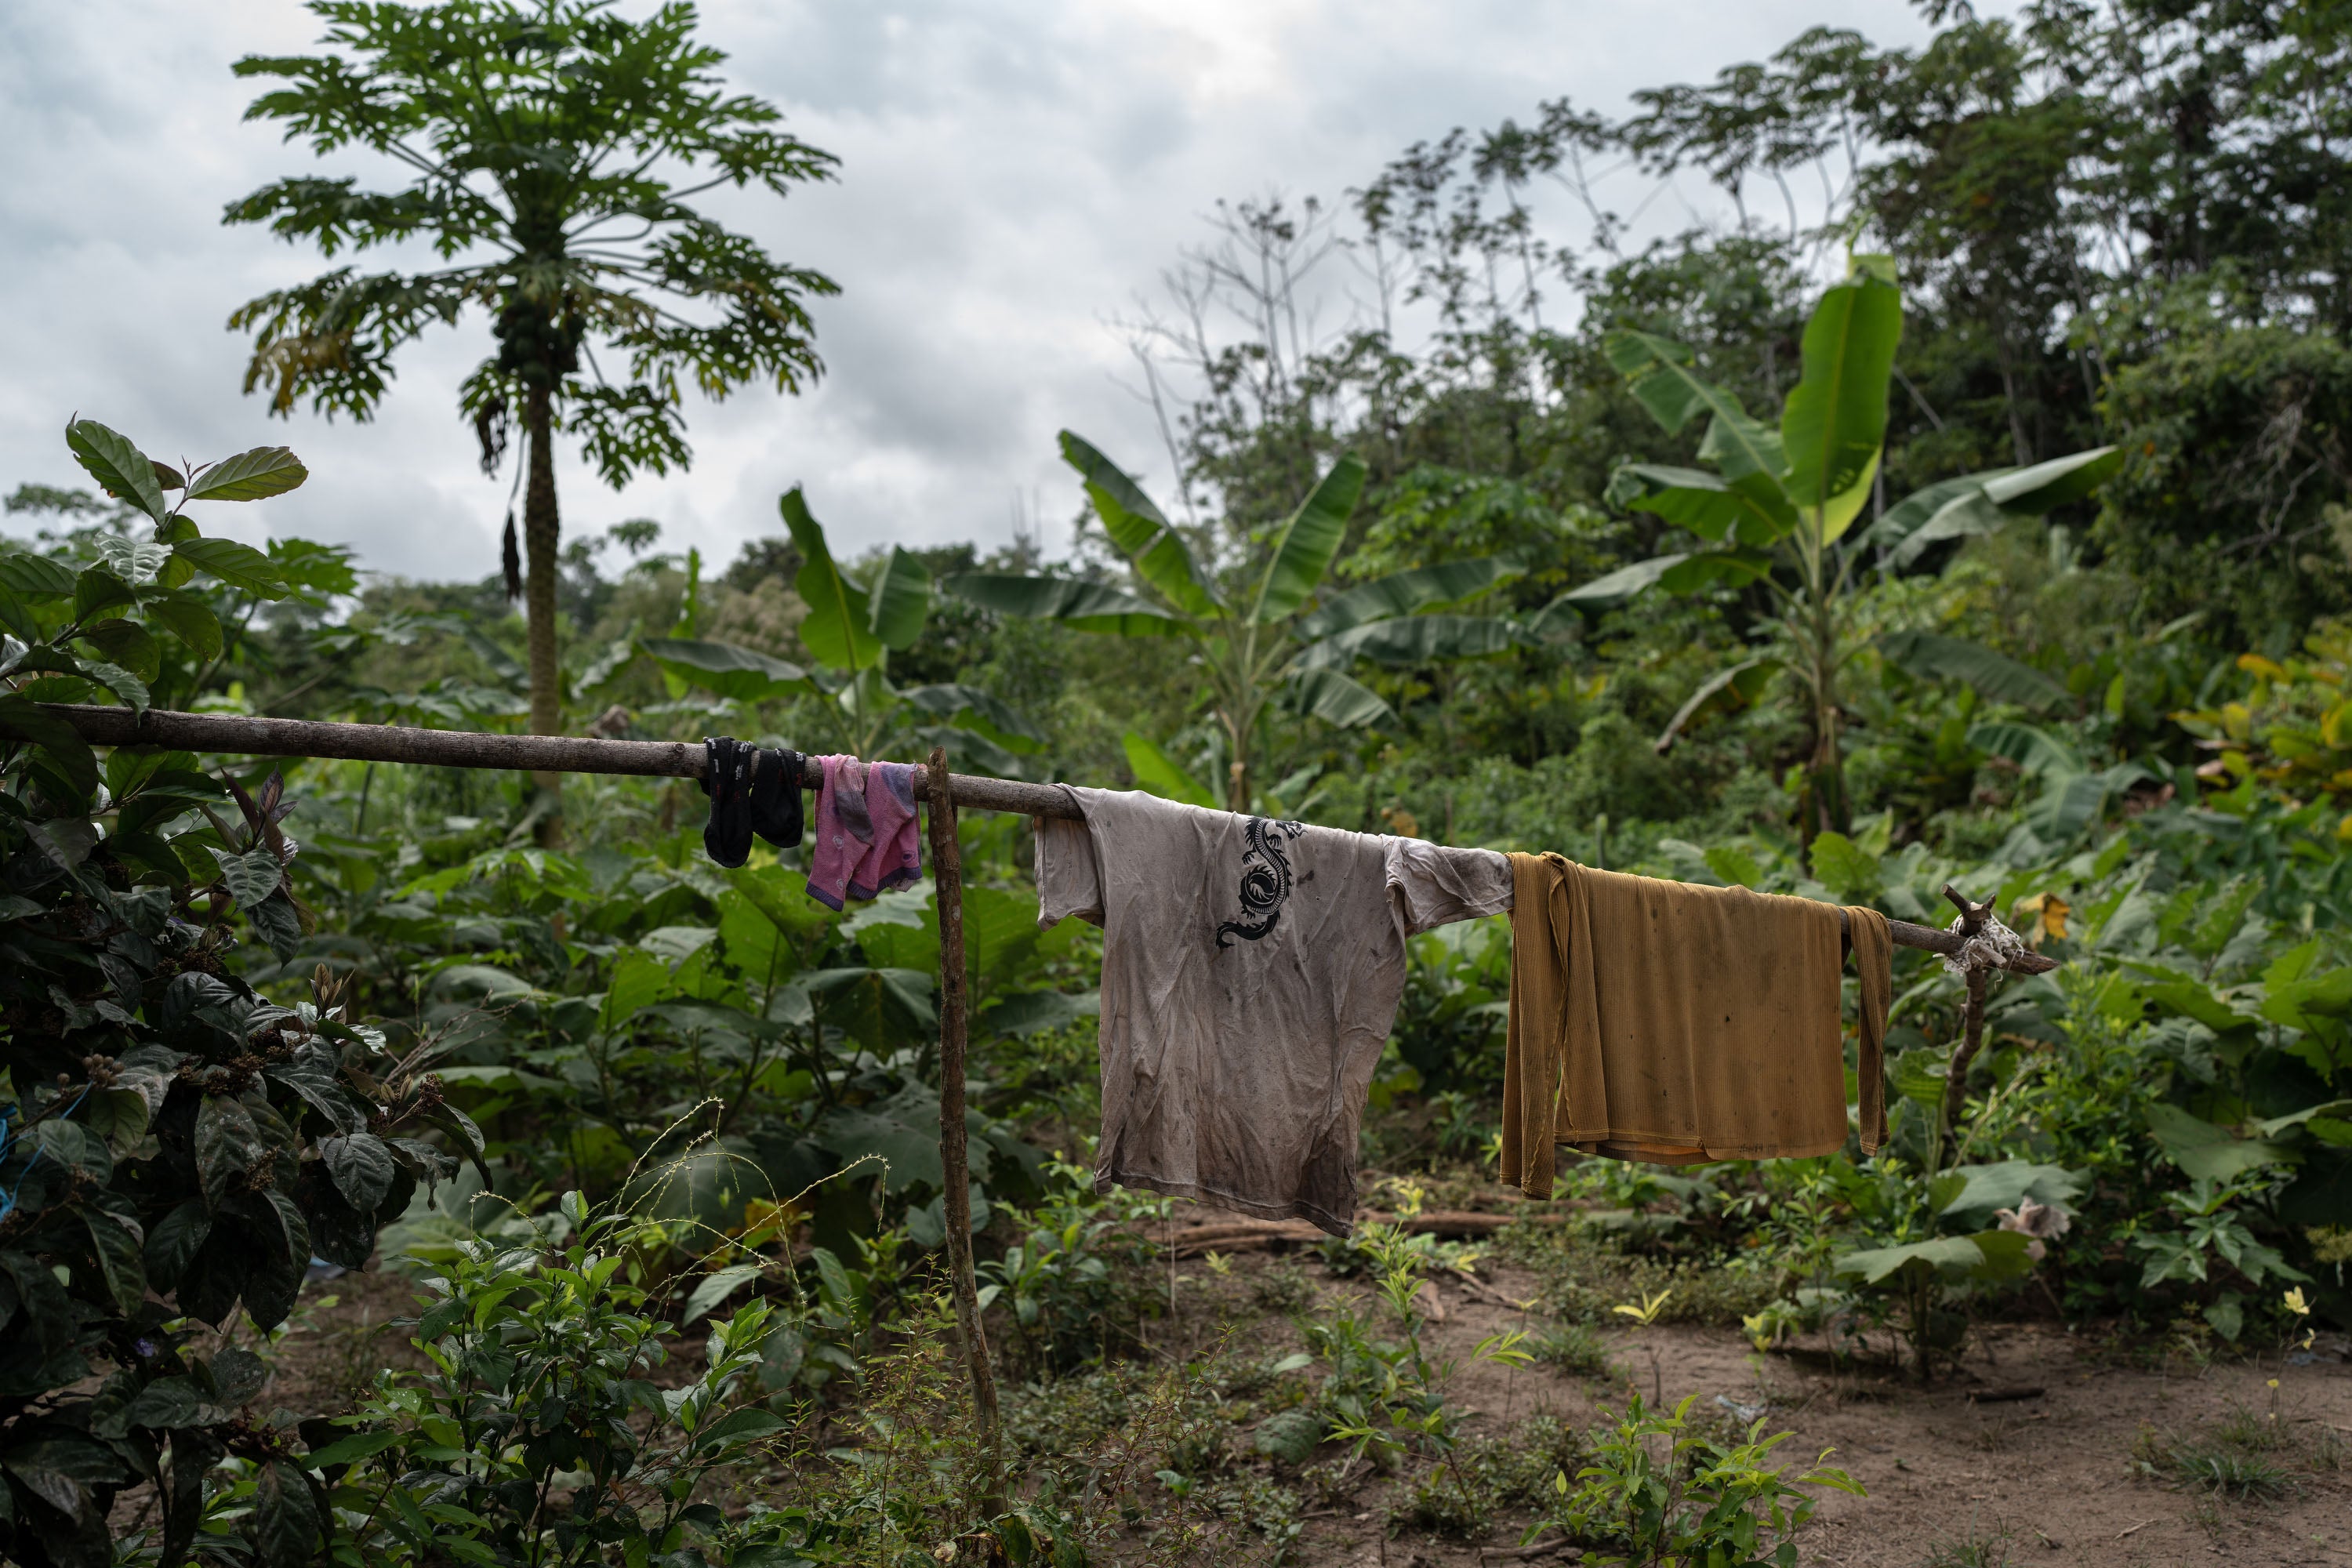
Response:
column 1251, row 973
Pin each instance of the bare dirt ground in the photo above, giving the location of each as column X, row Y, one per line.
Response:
column 2052, row 1477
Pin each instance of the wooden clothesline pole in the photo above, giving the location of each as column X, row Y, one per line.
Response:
column 235, row 733
column 955, row 1177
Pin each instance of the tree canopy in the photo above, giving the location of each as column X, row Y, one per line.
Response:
column 549, row 154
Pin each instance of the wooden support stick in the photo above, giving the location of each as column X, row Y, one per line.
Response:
column 1955, row 1076
column 955, row 1004
column 238, row 735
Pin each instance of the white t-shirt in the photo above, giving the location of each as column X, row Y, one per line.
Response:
column 1251, row 973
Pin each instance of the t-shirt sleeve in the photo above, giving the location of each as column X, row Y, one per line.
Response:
column 1069, row 877
column 1433, row 886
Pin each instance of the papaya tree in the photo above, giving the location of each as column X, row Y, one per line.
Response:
column 1778, row 503
column 1263, row 635
column 550, row 150
column 853, row 626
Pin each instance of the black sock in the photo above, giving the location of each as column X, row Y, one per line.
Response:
column 726, row 836
column 777, row 810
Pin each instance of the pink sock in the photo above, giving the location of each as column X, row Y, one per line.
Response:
column 842, row 833
column 896, row 858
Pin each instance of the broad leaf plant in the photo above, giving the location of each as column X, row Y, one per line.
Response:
column 175, row 1151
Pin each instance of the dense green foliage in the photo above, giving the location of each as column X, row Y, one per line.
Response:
column 178, row 1147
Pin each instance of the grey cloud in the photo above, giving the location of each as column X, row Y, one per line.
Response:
column 1013, row 175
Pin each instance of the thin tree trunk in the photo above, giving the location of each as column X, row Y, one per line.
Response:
column 541, row 531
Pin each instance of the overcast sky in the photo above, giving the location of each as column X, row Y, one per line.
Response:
column 1011, row 176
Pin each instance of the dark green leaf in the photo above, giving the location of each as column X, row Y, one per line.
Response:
column 1309, row 539
column 1615, row 588
column 362, row 1168
column 349, row 1450
column 1290, row 1435
column 172, row 1240
column 1158, row 772
column 1031, row 1011
column 1955, row 508
column 255, row 475
column 1146, row 538
column 1994, row 676
column 18, row 616
column 2036, row 751
column 902, row 1131
column 737, row 1427
column 240, row 566
column 503, row 665
column 286, row 1521
column 128, row 643
column 1835, row 421
column 237, row 1375
column 1413, row 640
column 170, row 1403
column 837, row 629
column 251, row 877
column 194, row 1454
column 971, row 704
column 118, row 1258
column 1403, row 592
column 321, row 572
column 2046, row 486
column 1956, row 1256
column 119, row 681
column 1337, row 699
column 1736, row 567
column 97, row 590
column 2204, row 1150
column 35, row 576
column 66, row 841
column 1754, row 510
column 900, row 601
column 744, row 674
column 24, row 720
column 1731, row 678
column 227, row 1143
column 1985, row 1189
column 1659, row 373
column 121, row 469
column 191, row 621
column 1089, row 606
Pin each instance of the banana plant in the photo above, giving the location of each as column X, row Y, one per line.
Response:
column 1264, row 636
column 1778, row 503
column 851, row 629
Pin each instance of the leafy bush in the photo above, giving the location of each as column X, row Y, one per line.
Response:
column 1660, row 1492
column 538, row 1433
column 1075, row 1286
column 177, row 1149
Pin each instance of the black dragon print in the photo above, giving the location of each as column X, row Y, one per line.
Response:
column 1266, row 880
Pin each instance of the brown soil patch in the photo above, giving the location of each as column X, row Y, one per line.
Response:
column 2055, row 1472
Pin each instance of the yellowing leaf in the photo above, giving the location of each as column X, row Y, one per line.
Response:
column 2332, row 726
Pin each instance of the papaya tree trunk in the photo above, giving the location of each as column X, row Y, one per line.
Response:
column 542, row 532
